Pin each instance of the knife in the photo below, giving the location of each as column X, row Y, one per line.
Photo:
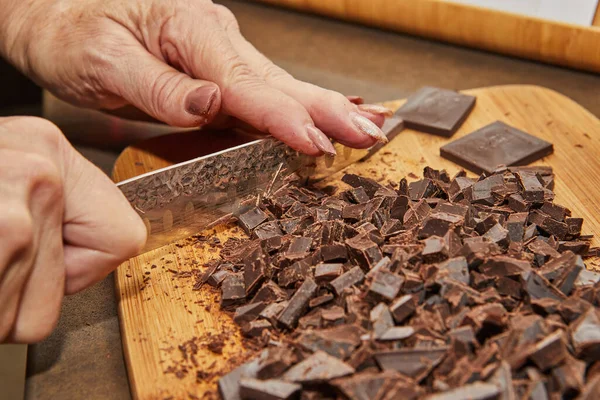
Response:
column 181, row 200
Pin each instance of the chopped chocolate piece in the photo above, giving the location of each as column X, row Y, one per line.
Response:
column 381, row 319
column 298, row 247
column 486, row 320
column 369, row 185
column 533, row 191
column 391, row 227
column 319, row 367
column 334, row 252
column 414, row 363
column 463, row 340
column 217, row 277
column 570, row 378
column 274, row 362
column 254, row 271
column 270, row 389
column 296, row 272
column 516, row 226
column 297, row 304
column 354, row 212
column 386, row 284
column 587, row 277
column 473, row 391
column 530, row 232
column 332, row 316
column 377, row 385
column 585, row 335
column 397, row 333
column 577, row 247
column 269, row 292
column 543, row 251
column 416, row 213
column 458, row 187
column 572, row 308
column 574, row 226
column 556, row 211
column 454, row 268
column 424, row 188
column 508, row 287
column 272, row 311
column 267, row 230
column 497, row 234
column 538, row 287
column 439, row 223
column 313, row 319
column 436, row 111
column 256, row 328
column 233, row 291
column 481, row 193
column 517, row 203
column 229, row 385
column 549, row 352
column 251, row 219
column 248, row 312
column 357, row 195
column 320, row 300
column 499, row 266
column 493, row 145
column 347, row 279
column 364, row 251
column 328, row 272
column 339, row 341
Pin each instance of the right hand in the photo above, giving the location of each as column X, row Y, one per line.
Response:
column 63, row 226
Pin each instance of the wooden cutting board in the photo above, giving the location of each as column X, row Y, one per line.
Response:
column 158, row 309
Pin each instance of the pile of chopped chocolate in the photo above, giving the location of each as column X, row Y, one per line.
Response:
column 442, row 288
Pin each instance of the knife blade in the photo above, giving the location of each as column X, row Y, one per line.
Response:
column 181, row 200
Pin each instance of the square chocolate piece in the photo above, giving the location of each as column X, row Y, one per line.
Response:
column 493, row 145
column 436, row 111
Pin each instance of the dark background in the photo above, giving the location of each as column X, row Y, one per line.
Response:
column 18, row 95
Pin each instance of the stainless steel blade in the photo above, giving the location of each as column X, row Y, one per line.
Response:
column 181, row 200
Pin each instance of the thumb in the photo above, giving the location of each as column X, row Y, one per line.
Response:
column 163, row 92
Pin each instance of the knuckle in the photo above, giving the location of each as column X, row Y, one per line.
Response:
column 16, row 229
column 274, row 74
column 226, row 17
column 163, row 91
column 44, row 180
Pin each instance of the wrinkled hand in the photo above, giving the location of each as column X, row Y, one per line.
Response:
column 63, row 226
column 183, row 62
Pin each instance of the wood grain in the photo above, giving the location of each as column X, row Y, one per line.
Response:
column 517, row 35
column 159, row 311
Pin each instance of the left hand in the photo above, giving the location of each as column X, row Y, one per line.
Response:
column 183, row 62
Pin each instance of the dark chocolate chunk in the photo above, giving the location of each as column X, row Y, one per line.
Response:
column 516, row 226
column 574, row 226
column 369, row 185
column 256, row 328
column 386, row 284
column 297, row 304
column 320, row 300
column 319, row 367
column 255, row 268
column 252, row 218
column 493, row 145
column 296, row 272
column 328, row 272
column 538, row 287
column 454, row 268
column 473, row 391
column 347, row 279
column 570, row 378
column 270, row 389
column 233, row 291
column 339, row 341
column 334, row 252
column 550, row 352
column 555, row 211
column 436, row 111
column 439, row 223
column 364, row 251
column 585, row 335
column 269, row 292
column 414, row 363
column 248, row 312
column 532, row 189
column 267, row 230
column 381, row 319
column 397, row 333
column 229, row 385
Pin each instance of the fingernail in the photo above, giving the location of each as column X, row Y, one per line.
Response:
column 201, row 100
column 376, row 109
column 320, row 140
column 355, row 99
column 367, row 127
